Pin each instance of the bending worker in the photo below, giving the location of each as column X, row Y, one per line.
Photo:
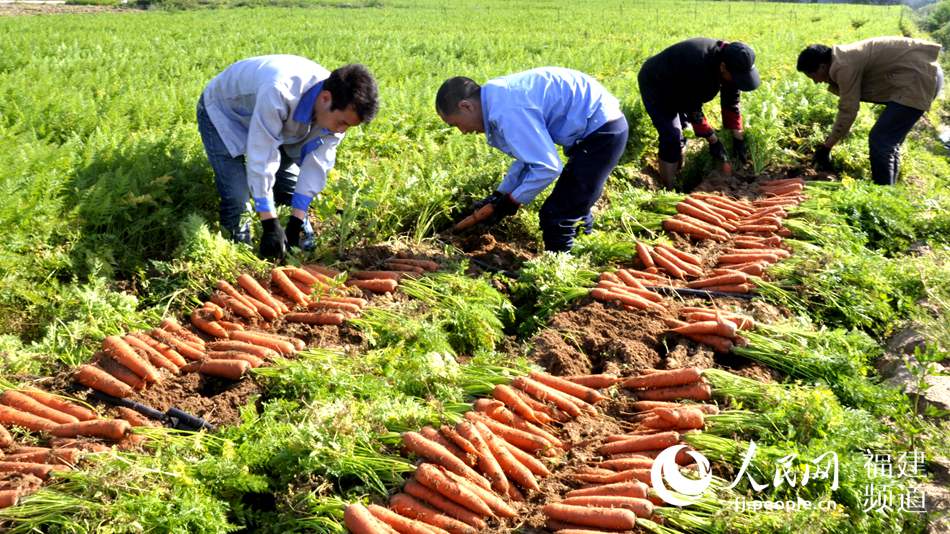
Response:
column 901, row 73
column 270, row 126
column 675, row 84
column 527, row 114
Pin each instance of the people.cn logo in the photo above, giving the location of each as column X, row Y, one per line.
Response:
column 666, row 472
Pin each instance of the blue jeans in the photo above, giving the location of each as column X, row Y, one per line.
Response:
column 230, row 177
column 886, row 138
column 589, row 163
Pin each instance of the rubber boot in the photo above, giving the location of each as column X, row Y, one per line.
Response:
column 668, row 173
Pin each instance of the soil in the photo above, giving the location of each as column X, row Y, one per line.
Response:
column 489, row 254
column 20, row 481
column 215, row 400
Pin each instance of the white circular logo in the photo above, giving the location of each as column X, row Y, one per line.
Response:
column 666, row 469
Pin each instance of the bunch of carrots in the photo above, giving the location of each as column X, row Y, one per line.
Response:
column 626, row 286
column 715, row 328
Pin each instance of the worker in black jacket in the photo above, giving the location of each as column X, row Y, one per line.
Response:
column 675, row 84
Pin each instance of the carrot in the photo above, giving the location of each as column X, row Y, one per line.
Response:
column 691, row 259
column 609, row 518
column 5, row 438
column 780, row 252
column 685, row 418
column 578, row 391
column 236, row 295
column 282, row 281
column 99, row 380
column 179, row 346
column 154, row 357
column 428, row 265
column 533, row 464
column 236, row 355
column 324, row 273
column 672, row 377
column 623, row 464
column 205, row 322
column 257, row 291
column 41, row 471
column 302, row 275
column 134, row 418
column 12, row 416
column 9, row 498
column 409, row 506
column 230, row 369
column 469, row 452
column 639, row 506
column 317, row 318
column 431, row 477
column 633, row 488
column 121, row 372
column 403, row 524
column 643, row 252
column 724, row 202
column 513, row 469
column 498, row 506
column 170, row 324
column 724, row 214
column 643, row 406
column 264, row 310
column 668, row 265
column 231, row 326
column 629, row 299
column 718, row 343
column 520, row 438
column 356, row 301
column 376, row 275
column 684, row 266
column 100, row 428
column 480, row 215
column 374, row 286
column 716, row 231
column 742, row 322
column 545, row 393
column 123, row 353
column 25, row 403
column 457, row 451
column 326, row 305
column 240, row 346
column 601, row 381
column 697, row 391
column 738, row 278
column 487, row 463
column 651, row 276
column 641, row 443
column 724, row 328
column 256, row 338
column 497, row 411
column 546, row 413
column 359, row 520
column 165, row 350
column 512, row 400
column 403, row 268
column 432, row 451
column 59, row 403
column 625, row 289
column 442, row 504
column 701, row 214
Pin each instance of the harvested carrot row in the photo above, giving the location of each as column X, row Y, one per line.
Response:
column 99, row 380
column 668, row 265
column 171, row 325
column 230, row 369
column 457, row 451
column 236, row 355
column 256, row 338
column 317, row 318
column 684, row 265
column 344, row 307
column 600, row 381
column 545, row 394
column 25, row 403
column 359, row 520
column 546, row 412
column 432, row 451
column 439, row 502
column 256, row 290
column 206, row 323
column 497, row 411
column 609, row 518
column 512, row 400
column 487, row 462
column 241, row 346
column 123, row 353
column 374, row 286
column 633, row 488
column 12, row 416
column 623, row 464
column 714, row 230
column 264, row 310
column 583, row 393
column 726, row 279
column 498, row 506
column 285, row 284
column 625, row 289
column 179, row 346
column 629, row 299
column 409, row 506
column 533, row 464
column 121, row 372
column 231, row 326
column 154, row 357
column 696, row 391
column 698, row 213
column 402, row 524
column 683, row 255
column 431, row 477
column 164, row 349
column 724, row 214
column 233, row 294
column 672, row 377
column 742, row 322
column 685, row 418
column 513, row 469
column 520, row 438
column 47, row 456
column 639, row 506
column 682, row 227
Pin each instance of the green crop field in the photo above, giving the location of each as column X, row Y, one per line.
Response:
column 108, row 213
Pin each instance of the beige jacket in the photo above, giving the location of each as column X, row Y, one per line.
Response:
column 882, row 69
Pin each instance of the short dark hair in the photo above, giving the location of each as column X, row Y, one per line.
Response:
column 453, row 91
column 813, row 57
column 353, row 85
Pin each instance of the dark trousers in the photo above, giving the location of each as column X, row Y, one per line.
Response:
column 669, row 128
column 886, row 138
column 581, row 183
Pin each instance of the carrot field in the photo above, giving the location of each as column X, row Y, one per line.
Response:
column 765, row 353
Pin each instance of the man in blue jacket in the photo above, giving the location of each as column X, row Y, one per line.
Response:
column 526, row 115
column 270, row 126
column 676, row 82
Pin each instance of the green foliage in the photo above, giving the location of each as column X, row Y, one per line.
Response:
column 548, row 284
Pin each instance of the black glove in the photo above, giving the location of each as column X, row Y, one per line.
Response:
column 718, row 151
column 740, row 150
column 504, row 206
column 273, row 241
column 293, row 231
column 822, row 158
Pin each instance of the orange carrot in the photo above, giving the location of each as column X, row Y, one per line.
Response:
column 432, row 451
column 407, row 505
column 181, row 347
column 403, row 524
column 41, row 471
column 328, row 305
column 628, row 279
column 317, row 318
column 668, row 265
column 469, row 452
column 546, row 413
column 154, row 357
column 164, row 349
column 12, row 416
column 629, row 299
column 25, row 403
column 512, row 400
column 640, row 443
column 240, row 346
column 231, row 326
column 697, row 391
column 780, row 252
column 264, row 310
column 742, row 322
column 356, row 301
column 686, row 418
column 375, row 275
column 487, row 463
column 9, row 498
column 513, row 469
column 533, row 464
column 205, row 322
column 236, row 355
column 230, row 369
column 428, row 265
column 121, row 372
column 100, row 428
column 672, row 377
column 633, row 488
column 545, row 393
column 359, row 520
column 59, row 403
column 643, row 252
column 280, row 278
column 99, row 380
column 701, row 214
column 684, row 266
column 578, row 391
column 609, row 518
column 435, row 436
column 497, row 411
column 442, row 504
column 134, row 418
column 374, row 286
column 256, row 290
column 123, row 354
column 649, row 276
column 724, row 214
column 519, row 438
column 403, row 268
column 5, row 438
column 623, row 464
column 714, row 230
column 498, row 506
column 691, row 259
column 639, row 506
column 480, row 215
column 718, row 343
column 724, row 328
column 47, row 456
column 256, row 338
column 601, row 381
column 170, row 324
column 431, row 477
column 236, row 295
column 738, row 278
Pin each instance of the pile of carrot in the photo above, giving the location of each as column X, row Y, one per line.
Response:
column 626, row 287
column 675, row 262
column 675, row 384
column 721, row 331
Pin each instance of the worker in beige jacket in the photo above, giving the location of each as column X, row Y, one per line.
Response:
column 901, row 73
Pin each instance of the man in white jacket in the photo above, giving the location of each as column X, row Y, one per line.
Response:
column 270, row 126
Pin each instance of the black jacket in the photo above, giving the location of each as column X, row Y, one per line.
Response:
column 683, row 77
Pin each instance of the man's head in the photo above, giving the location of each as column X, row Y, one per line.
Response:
column 814, row 62
column 348, row 98
column 738, row 66
column 459, row 104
